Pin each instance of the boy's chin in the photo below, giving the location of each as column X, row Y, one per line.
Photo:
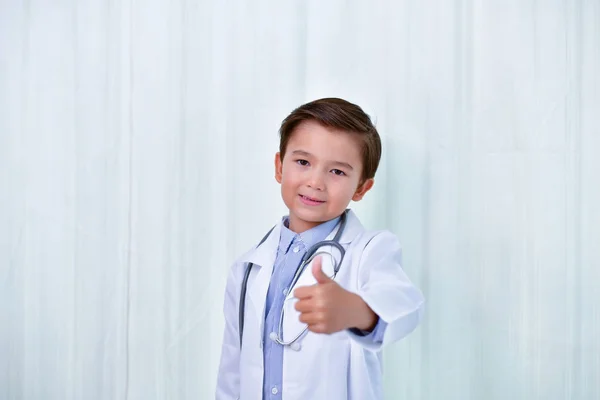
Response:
column 313, row 216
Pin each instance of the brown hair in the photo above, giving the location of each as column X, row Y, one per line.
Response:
column 341, row 115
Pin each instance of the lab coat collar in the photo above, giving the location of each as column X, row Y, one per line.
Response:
column 265, row 254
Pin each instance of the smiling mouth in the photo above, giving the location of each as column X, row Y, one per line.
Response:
column 311, row 200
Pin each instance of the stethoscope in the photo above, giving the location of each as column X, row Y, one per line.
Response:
column 306, row 259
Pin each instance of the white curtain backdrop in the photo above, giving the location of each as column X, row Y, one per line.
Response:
column 136, row 151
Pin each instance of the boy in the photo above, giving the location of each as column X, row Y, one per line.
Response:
column 318, row 335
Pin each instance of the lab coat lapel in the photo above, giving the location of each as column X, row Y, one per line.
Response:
column 263, row 257
column 353, row 229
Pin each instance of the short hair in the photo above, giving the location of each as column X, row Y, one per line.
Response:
column 341, row 115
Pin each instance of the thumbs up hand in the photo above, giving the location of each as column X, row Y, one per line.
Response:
column 317, row 271
column 326, row 307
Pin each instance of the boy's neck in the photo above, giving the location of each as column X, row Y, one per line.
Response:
column 299, row 226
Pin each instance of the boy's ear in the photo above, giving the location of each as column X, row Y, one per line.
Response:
column 363, row 189
column 278, row 167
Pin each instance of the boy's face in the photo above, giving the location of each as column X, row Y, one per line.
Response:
column 319, row 174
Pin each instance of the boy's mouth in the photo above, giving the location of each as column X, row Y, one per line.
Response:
column 310, row 201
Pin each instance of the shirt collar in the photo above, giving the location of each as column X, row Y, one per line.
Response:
column 308, row 238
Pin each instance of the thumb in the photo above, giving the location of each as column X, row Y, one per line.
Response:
column 318, row 273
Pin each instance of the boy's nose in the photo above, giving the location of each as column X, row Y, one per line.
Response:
column 316, row 182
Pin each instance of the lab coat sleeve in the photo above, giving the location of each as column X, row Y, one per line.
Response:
column 228, row 378
column 386, row 289
column 376, row 335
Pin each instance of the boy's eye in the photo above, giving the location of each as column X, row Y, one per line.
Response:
column 302, row 162
column 338, row 172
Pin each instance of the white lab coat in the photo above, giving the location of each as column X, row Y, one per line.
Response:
column 341, row 366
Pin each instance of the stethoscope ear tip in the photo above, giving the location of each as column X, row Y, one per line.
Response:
column 295, row 346
column 273, row 336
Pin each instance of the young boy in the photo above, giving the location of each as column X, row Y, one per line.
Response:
column 317, row 336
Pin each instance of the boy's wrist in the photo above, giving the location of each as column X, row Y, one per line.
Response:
column 364, row 319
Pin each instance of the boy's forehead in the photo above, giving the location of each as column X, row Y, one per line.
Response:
column 312, row 135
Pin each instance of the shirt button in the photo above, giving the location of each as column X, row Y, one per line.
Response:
column 285, row 292
column 296, row 249
column 274, row 390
